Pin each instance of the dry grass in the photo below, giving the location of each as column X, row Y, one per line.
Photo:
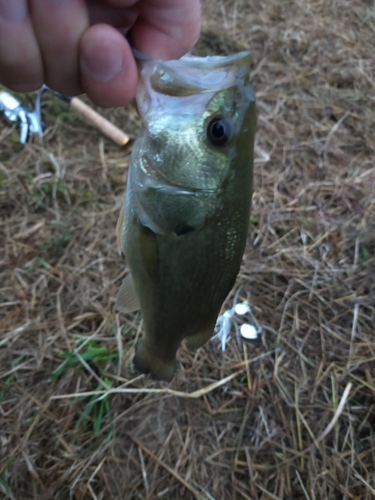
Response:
column 289, row 416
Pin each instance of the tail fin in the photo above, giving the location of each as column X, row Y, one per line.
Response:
column 146, row 361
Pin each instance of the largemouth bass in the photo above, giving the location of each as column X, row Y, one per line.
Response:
column 184, row 223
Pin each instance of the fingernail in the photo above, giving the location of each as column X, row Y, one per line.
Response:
column 13, row 10
column 101, row 61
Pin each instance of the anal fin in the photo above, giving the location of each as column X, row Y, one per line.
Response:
column 127, row 300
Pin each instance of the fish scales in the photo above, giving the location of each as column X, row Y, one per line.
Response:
column 185, row 219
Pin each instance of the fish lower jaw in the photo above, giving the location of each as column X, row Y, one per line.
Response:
column 145, row 361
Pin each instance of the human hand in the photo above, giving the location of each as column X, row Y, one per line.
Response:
column 77, row 46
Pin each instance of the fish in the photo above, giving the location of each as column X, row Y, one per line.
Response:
column 184, row 222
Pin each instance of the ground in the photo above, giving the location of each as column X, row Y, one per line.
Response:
column 289, row 416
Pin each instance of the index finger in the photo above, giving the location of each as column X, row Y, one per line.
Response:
column 166, row 29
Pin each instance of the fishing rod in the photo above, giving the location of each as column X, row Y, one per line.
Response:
column 30, row 120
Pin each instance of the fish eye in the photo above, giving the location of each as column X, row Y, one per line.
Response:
column 219, row 131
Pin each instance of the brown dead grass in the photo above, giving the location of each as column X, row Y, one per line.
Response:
column 289, row 416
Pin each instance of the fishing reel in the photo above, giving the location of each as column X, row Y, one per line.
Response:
column 15, row 111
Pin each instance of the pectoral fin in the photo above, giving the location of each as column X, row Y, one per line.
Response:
column 120, row 224
column 127, row 300
column 149, row 252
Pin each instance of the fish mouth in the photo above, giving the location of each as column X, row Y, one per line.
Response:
column 216, row 62
column 193, row 75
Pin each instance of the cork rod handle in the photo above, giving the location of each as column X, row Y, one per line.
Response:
column 101, row 123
